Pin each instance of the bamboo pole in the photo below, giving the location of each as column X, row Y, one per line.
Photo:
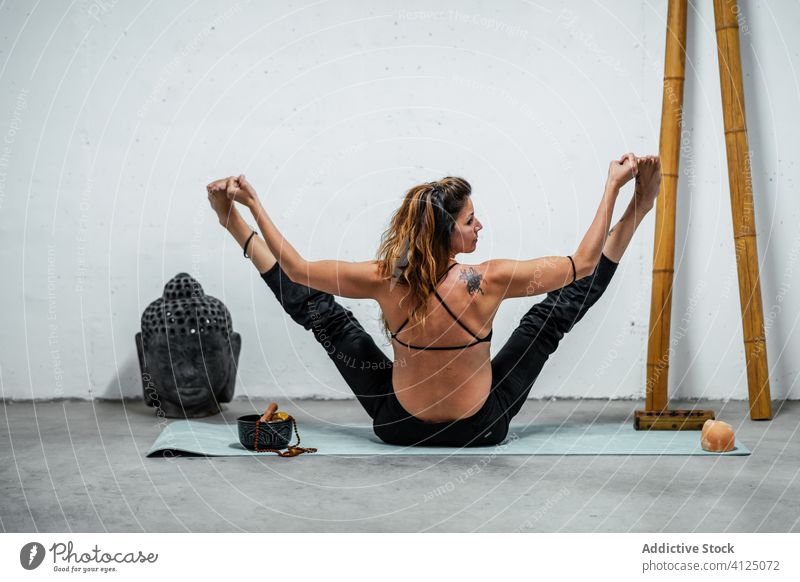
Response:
column 726, row 14
column 658, row 344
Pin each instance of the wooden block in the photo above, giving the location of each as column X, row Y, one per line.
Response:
column 671, row 419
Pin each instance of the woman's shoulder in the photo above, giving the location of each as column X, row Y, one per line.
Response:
column 472, row 276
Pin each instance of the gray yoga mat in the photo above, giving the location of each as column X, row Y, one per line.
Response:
column 214, row 439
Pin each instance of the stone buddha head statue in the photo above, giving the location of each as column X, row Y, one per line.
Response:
column 188, row 351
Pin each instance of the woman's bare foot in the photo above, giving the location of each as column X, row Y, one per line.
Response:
column 229, row 217
column 648, row 182
column 224, row 207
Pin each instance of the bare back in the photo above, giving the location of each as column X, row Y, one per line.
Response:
column 443, row 385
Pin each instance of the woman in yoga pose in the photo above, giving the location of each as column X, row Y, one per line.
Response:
column 448, row 392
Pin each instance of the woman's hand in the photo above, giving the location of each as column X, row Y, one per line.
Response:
column 235, row 189
column 621, row 171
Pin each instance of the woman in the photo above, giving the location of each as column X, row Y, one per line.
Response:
column 439, row 313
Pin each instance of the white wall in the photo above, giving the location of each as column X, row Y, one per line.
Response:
column 114, row 115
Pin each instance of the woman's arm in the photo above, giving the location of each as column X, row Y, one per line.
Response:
column 356, row 280
column 588, row 253
column 511, row 278
column 288, row 258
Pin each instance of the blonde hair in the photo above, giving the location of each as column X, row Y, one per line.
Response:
column 415, row 249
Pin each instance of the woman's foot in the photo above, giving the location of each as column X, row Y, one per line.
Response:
column 229, row 217
column 224, row 208
column 648, row 182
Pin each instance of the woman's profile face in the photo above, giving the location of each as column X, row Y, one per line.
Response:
column 464, row 238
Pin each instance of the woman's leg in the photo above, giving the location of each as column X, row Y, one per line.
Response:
column 362, row 364
column 518, row 363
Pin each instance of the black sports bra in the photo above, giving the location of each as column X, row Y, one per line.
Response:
column 439, row 297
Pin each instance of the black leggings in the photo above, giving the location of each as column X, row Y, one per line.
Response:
column 368, row 371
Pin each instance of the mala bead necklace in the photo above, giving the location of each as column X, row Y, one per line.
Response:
column 292, row 450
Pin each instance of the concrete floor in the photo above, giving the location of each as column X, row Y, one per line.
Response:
column 80, row 466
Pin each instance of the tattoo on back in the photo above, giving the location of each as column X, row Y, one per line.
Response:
column 473, row 279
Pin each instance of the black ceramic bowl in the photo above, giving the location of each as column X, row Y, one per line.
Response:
column 271, row 435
